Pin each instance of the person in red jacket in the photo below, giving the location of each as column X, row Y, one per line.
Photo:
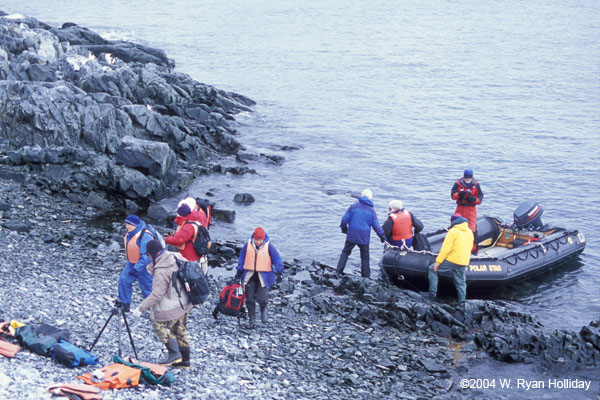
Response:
column 468, row 195
column 188, row 222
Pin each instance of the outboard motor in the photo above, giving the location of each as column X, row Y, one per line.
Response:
column 528, row 215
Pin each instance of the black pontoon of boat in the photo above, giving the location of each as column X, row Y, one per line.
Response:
column 508, row 253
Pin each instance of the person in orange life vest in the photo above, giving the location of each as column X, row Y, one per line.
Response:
column 468, row 195
column 168, row 311
column 137, row 260
column 186, row 232
column 255, row 269
column 398, row 228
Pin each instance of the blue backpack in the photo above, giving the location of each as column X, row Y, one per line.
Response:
column 72, row 356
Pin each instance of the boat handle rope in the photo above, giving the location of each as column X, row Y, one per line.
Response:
column 406, row 248
column 537, row 252
column 517, row 256
column 551, row 245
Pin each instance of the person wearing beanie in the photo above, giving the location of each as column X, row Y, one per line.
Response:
column 454, row 256
column 468, row 195
column 356, row 224
column 259, row 267
column 191, row 221
column 136, row 239
column 398, row 227
column 201, row 206
column 168, row 311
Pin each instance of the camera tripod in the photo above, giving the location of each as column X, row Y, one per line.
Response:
column 118, row 308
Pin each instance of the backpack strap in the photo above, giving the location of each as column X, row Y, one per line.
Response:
column 196, row 230
column 174, row 278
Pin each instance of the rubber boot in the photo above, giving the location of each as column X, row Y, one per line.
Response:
column 174, row 354
column 263, row 314
column 185, row 358
column 251, row 315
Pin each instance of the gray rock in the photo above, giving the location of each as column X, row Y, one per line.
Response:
column 244, row 198
column 16, row 226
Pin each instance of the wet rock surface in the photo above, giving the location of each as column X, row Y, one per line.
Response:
column 327, row 337
column 111, row 121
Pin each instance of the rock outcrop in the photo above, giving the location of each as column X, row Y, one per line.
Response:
column 107, row 122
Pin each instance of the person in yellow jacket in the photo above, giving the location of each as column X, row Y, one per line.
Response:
column 454, row 256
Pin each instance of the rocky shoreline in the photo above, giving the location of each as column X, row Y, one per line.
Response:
column 328, row 337
column 105, row 143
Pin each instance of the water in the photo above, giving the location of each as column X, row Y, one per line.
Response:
column 399, row 99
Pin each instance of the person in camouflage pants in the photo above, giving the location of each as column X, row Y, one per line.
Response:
column 167, row 329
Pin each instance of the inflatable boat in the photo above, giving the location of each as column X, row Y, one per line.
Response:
column 507, row 253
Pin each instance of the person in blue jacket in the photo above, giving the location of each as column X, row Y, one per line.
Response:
column 136, row 239
column 255, row 269
column 356, row 224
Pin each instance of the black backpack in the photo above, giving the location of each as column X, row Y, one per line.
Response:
column 421, row 243
column 192, row 280
column 202, row 241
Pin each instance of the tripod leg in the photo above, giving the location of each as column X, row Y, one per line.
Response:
column 130, row 337
column 119, row 338
column 101, row 330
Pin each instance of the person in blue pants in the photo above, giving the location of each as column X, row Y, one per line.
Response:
column 136, row 239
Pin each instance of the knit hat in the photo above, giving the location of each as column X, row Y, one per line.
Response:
column 456, row 218
column 153, row 248
column 259, row 233
column 367, row 193
column 133, row 220
column 468, row 173
column 184, row 210
column 395, row 205
column 190, row 201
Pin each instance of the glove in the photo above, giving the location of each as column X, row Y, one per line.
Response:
column 136, row 313
column 462, row 194
column 382, row 239
column 472, row 200
column 344, row 229
column 278, row 277
column 238, row 275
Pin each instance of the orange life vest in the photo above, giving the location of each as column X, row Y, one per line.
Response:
column 8, row 349
column 113, row 376
column 131, row 248
column 402, row 228
column 257, row 260
column 471, row 191
column 81, row 390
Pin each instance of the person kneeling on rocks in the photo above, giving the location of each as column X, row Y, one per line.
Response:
column 454, row 256
column 255, row 269
column 168, row 311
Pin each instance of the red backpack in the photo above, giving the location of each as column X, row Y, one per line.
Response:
column 231, row 301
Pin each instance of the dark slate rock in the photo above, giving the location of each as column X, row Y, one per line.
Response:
column 273, row 158
column 16, row 226
column 153, row 158
column 245, row 157
column 244, row 198
column 432, row 366
column 104, row 93
column 223, row 215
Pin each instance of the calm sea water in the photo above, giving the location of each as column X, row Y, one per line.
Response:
column 400, row 99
